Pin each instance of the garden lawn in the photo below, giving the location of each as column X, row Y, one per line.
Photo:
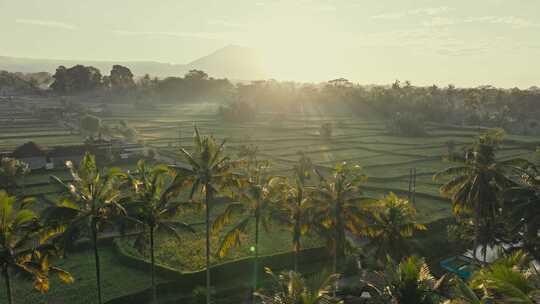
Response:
column 117, row 280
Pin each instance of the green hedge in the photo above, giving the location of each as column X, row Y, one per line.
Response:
column 182, row 283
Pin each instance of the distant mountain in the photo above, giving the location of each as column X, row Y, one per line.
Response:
column 233, row 62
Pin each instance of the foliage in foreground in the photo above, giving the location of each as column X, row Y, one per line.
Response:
column 291, row 287
column 19, row 231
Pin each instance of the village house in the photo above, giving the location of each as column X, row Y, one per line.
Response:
column 39, row 157
column 58, row 156
column 32, row 154
column 130, row 151
column 7, row 91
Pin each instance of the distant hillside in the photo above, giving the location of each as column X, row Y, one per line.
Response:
column 233, row 62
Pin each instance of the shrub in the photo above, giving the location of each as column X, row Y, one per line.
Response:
column 90, row 124
column 198, row 296
column 407, row 124
column 237, row 112
column 350, row 267
column 326, row 130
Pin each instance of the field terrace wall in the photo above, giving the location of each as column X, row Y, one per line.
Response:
column 431, row 244
column 183, row 283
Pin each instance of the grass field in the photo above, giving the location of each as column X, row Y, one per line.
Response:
column 117, row 279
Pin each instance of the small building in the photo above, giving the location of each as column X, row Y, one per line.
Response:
column 58, row 156
column 32, row 154
column 7, row 91
column 132, row 151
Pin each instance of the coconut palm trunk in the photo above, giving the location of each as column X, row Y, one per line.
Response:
column 476, row 233
column 153, row 260
column 96, row 258
column 339, row 250
column 208, row 193
column 256, row 259
column 7, row 279
column 297, row 229
column 296, row 242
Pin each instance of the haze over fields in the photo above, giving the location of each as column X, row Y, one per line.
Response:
column 466, row 43
column 233, row 62
column 269, row 151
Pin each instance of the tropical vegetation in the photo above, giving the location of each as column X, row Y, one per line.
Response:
column 494, row 199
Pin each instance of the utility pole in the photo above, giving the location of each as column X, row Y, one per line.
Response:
column 179, row 134
column 412, row 186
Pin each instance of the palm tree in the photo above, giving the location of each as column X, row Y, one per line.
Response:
column 258, row 194
column 296, row 208
column 207, row 170
column 391, row 221
column 525, row 208
column 11, row 170
column 477, row 184
column 93, row 200
column 409, row 282
column 19, row 228
column 291, row 288
column 153, row 206
column 337, row 207
column 511, row 279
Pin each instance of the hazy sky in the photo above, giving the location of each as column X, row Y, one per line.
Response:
column 465, row 42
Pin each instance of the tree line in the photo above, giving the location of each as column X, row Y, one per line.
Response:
column 195, row 86
column 512, row 109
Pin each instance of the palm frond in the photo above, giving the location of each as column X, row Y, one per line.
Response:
column 452, row 171
column 232, row 238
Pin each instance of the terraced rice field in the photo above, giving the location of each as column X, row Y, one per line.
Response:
column 386, row 159
column 20, row 122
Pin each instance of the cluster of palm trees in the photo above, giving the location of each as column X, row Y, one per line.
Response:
column 100, row 203
column 496, row 201
column 512, row 278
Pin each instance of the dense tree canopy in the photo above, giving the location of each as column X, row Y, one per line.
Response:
column 516, row 110
column 76, row 79
column 121, row 78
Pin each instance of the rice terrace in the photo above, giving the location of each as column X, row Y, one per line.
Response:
column 386, row 159
column 264, row 153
